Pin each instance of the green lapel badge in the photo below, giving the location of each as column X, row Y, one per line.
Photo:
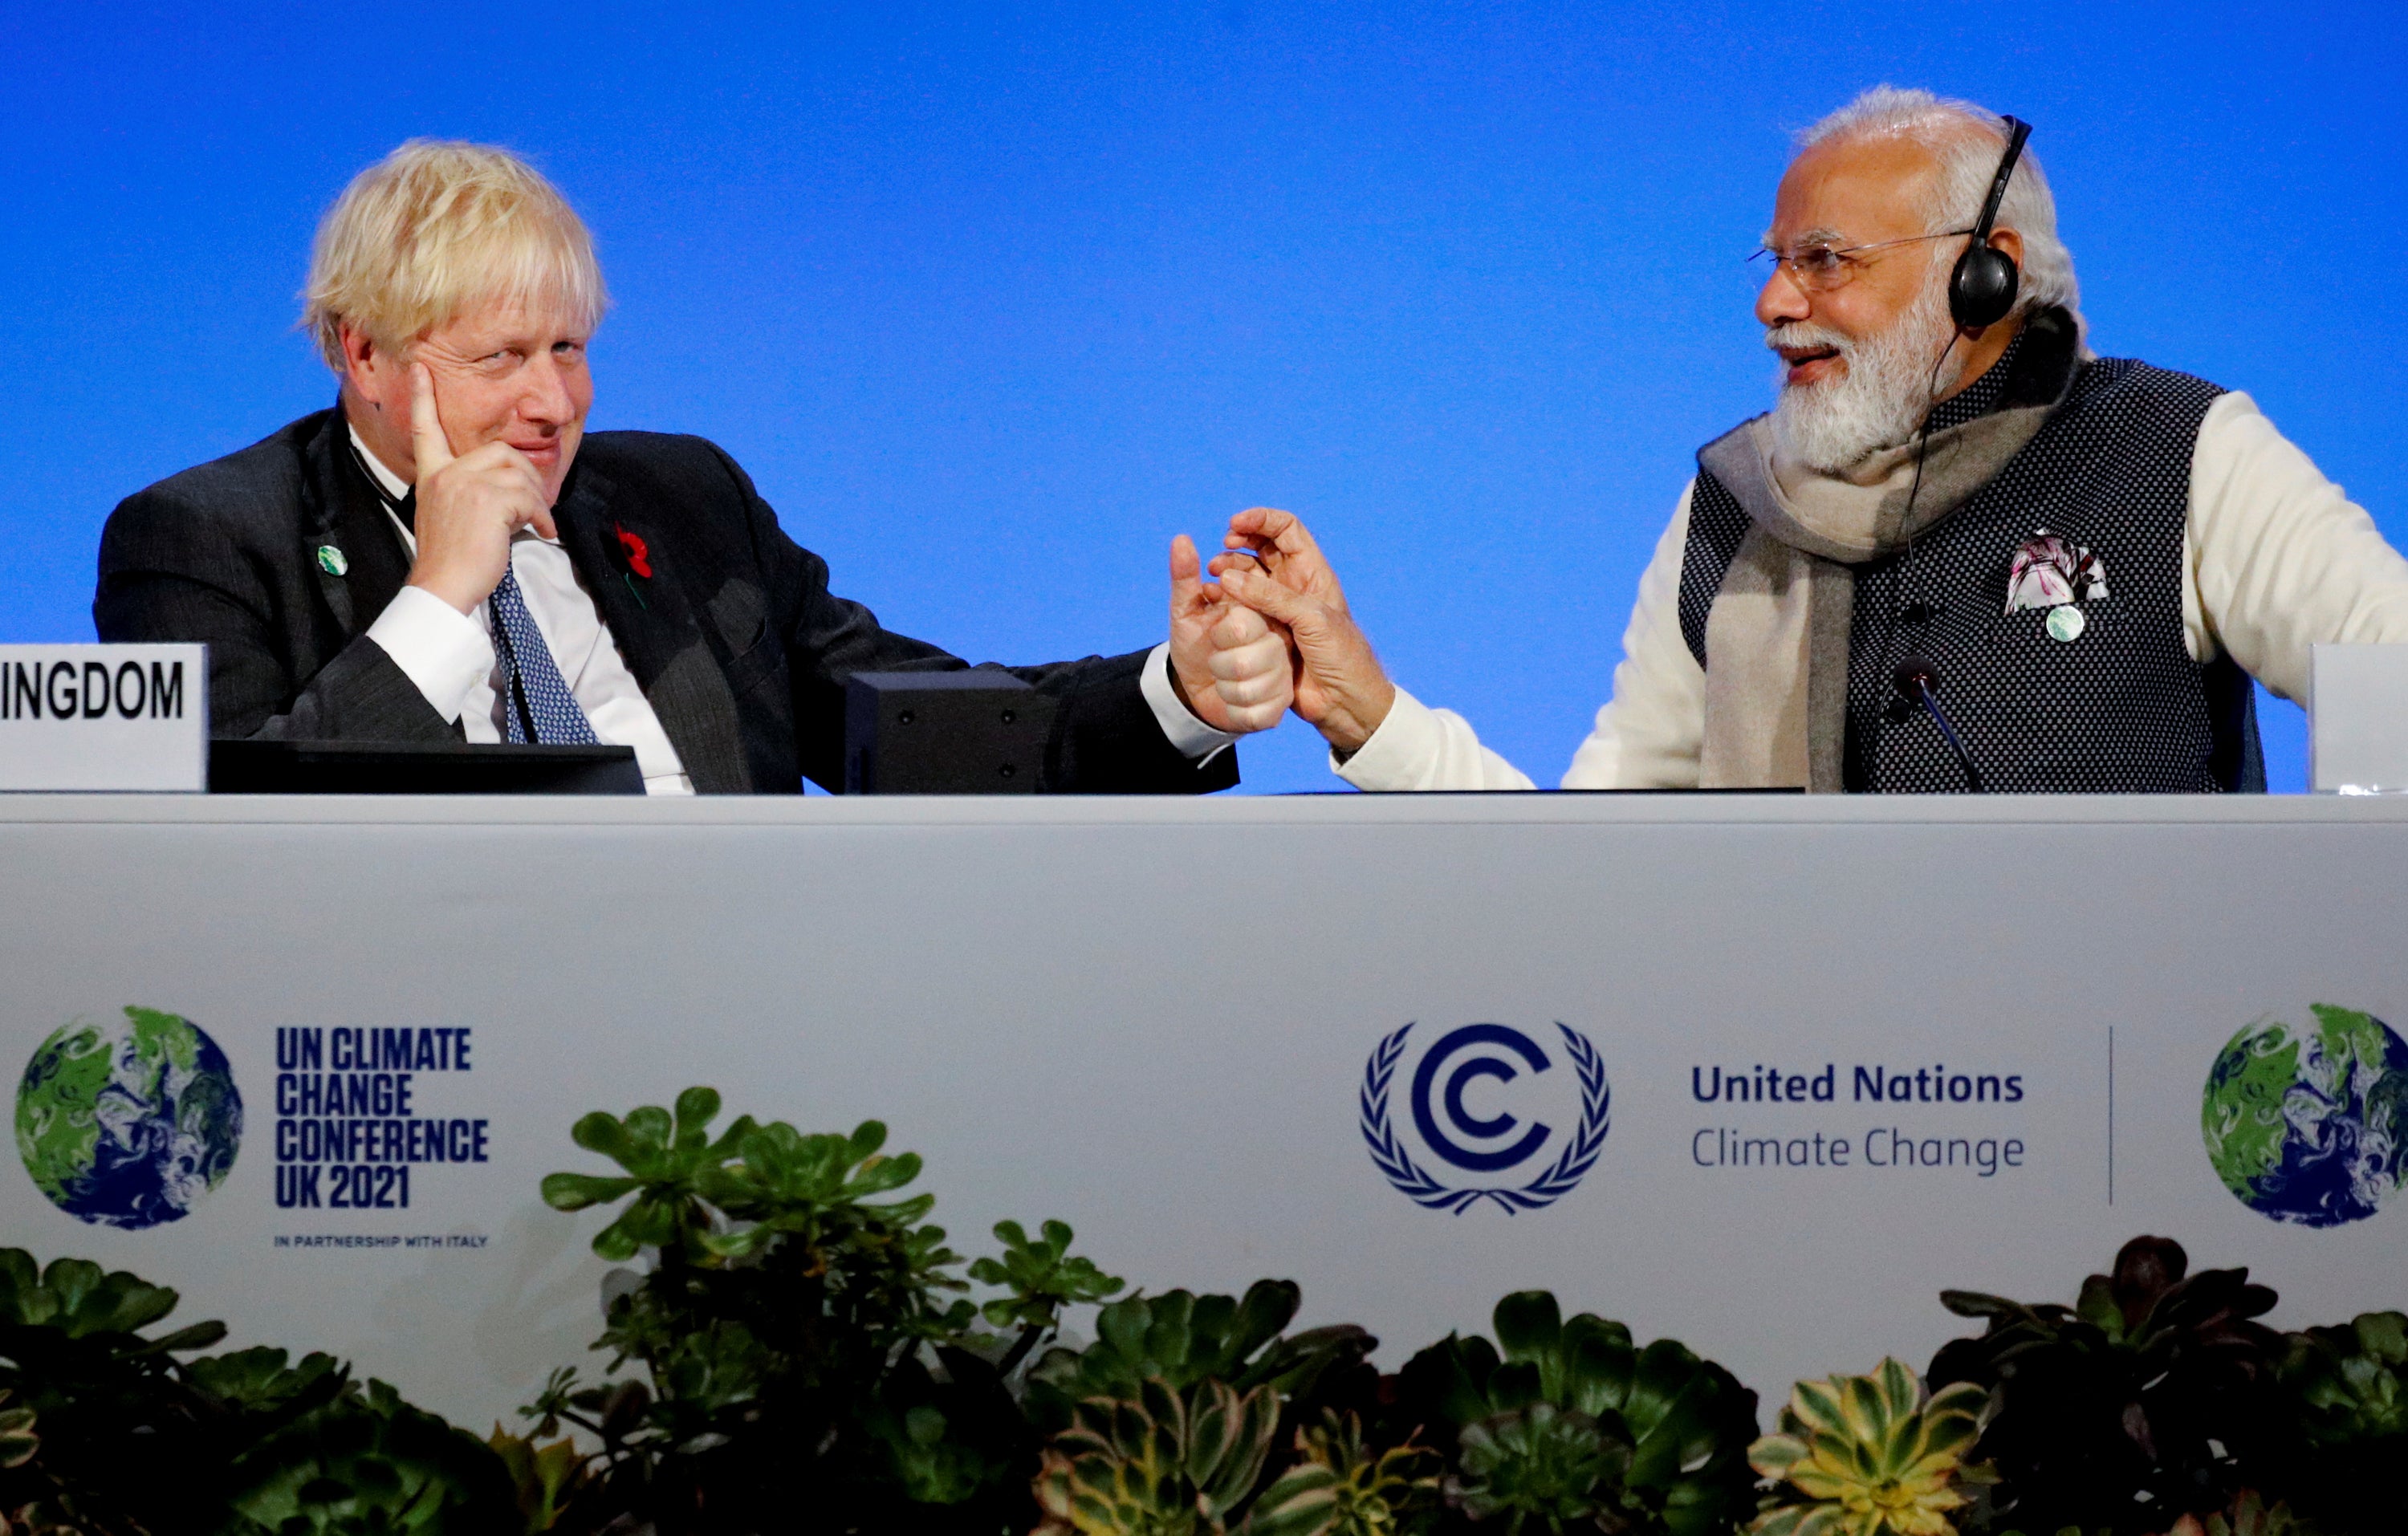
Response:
column 333, row 561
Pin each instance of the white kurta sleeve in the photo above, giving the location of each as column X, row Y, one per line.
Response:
column 1418, row 747
column 2277, row 557
column 1649, row 734
column 1646, row 736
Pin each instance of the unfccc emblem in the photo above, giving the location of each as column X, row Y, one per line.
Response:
column 1455, row 1131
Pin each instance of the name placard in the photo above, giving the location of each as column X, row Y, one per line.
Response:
column 121, row 717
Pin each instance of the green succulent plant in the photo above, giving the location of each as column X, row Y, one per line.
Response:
column 1184, row 1340
column 260, row 1380
column 2346, row 1390
column 549, row 1477
column 2350, row 1383
column 808, row 1190
column 368, row 1461
column 801, row 1323
column 19, row 1439
column 1548, row 1468
column 1040, row 1276
column 2152, row 1396
column 75, row 1299
column 1158, row 1466
column 236, row 1444
column 675, row 1169
column 74, row 1358
column 1869, row 1456
column 1340, row 1486
column 949, row 1436
column 1685, row 1423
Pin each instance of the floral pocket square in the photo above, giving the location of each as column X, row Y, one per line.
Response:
column 2049, row 572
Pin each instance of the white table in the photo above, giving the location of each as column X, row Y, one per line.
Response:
column 1154, row 1019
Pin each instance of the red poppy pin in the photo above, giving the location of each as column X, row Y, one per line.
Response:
column 634, row 560
column 639, row 559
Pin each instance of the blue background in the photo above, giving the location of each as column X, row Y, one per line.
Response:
column 991, row 300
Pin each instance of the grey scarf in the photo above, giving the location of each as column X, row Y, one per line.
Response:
column 1777, row 634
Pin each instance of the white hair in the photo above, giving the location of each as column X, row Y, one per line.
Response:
column 1967, row 141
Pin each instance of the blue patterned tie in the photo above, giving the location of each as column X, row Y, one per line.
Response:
column 527, row 661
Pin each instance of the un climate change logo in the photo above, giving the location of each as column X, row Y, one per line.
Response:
column 1444, row 1122
column 2309, row 1123
column 128, row 1121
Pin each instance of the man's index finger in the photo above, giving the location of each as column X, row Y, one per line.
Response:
column 431, row 446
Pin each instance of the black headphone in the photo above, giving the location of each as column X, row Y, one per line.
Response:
column 1983, row 288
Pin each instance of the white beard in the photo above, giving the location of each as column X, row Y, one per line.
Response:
column 1879, row 400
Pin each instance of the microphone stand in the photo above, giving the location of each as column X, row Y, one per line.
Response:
column 1919, row 681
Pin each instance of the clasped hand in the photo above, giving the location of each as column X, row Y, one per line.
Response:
column 1232, row 666
column 1274, row 571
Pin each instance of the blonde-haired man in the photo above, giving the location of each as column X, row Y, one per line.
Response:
column 447, row 554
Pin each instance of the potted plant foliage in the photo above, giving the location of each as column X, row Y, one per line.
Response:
column 793, row 1346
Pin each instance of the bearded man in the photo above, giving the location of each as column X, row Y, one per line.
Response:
column 448, row 554
column 2084, row 559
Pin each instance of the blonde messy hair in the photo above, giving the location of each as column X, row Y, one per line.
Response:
column 435, row 228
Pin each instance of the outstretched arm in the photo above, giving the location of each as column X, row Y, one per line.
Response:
column 1645, row 737
column 1380, row 738
column 1108, row 734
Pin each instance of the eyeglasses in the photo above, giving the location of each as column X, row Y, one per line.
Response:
column 1824, row 267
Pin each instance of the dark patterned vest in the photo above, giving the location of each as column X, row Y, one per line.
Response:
column 2119, row 708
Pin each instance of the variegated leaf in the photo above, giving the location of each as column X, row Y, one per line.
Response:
column 1774, row 1454
column 1778, row 1522
column 1818, row 1407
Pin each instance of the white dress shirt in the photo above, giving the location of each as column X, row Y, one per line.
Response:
column 2275, row 558
column 450, row 656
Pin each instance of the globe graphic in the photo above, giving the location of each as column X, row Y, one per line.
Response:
column 2310, row 1125
column 128, row 1121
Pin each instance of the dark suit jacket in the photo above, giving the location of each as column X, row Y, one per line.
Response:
column 734, row 637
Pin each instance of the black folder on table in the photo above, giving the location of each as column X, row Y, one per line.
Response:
column 413, row 767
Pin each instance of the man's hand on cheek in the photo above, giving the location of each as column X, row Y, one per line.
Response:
column 467, row 507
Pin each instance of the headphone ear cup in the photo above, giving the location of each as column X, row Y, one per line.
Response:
column 1982, row 287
